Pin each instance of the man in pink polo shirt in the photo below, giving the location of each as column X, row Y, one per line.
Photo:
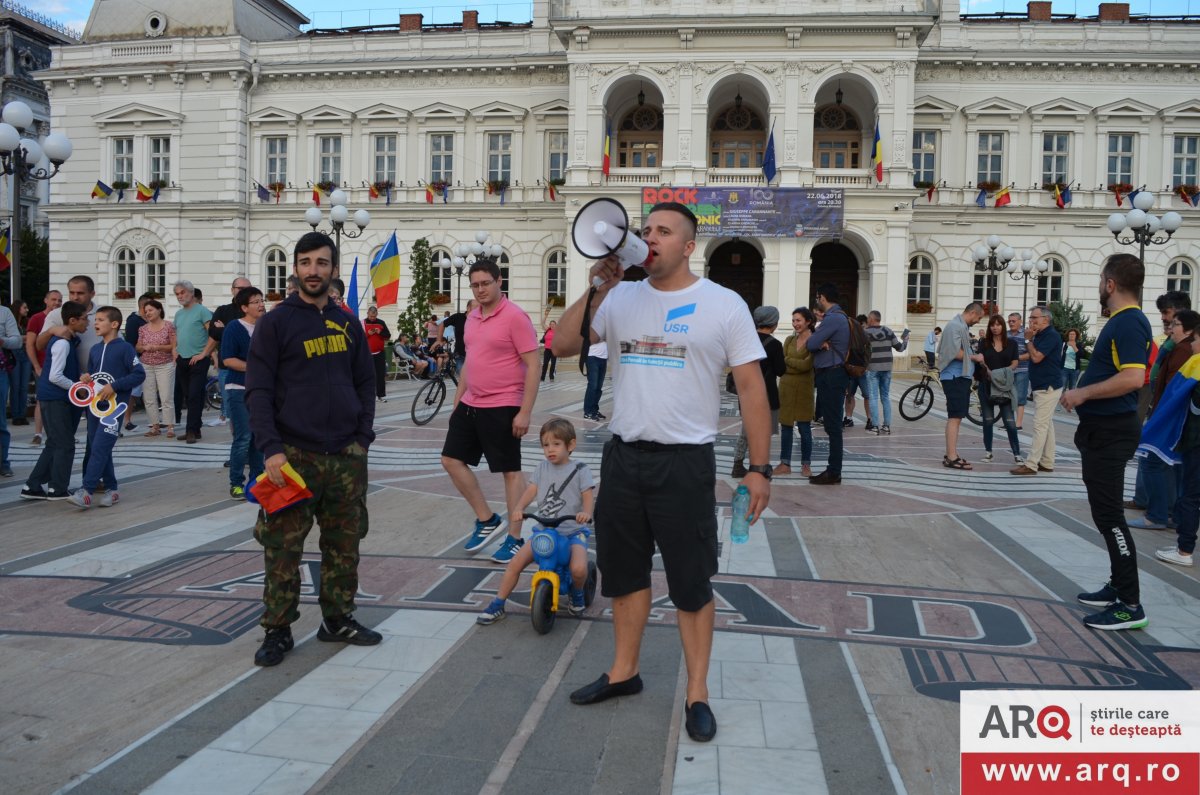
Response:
column 493, row 405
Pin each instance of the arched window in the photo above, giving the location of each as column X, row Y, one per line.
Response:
column 277, row 272
column 837, row 138
column 156, row 271
column 126, row 272
column 443, row 271
column 737, row 138
column 1050, row 285
column 503, row 263
column 1179, row 276
column 639, row 138
column 556, row 277
column 920, row 279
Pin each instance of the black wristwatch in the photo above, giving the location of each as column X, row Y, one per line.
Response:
column 763, row 469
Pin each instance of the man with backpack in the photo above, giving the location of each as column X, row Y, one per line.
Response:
column 831, row 345
column 957, row 368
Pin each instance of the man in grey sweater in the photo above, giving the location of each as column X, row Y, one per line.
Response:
column 957, row 368
column 879, row 370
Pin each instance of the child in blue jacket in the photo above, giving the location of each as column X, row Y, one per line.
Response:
column 114, row 368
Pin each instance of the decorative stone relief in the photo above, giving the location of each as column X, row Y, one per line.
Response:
column 599, row 72
column 580, row 147
column 775, row 74
column 685, row 146
column 687, row 69
column 899, row 148
column 791, row 143
column 138, row 240
column 669, row 72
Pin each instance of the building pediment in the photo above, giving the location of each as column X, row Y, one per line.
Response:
column 273, row 116
column 932, row 106
column 328, row 114
column 994, row 107
column 555, row 107
column 383, row 114
column 440, row 112
column 137, row 115
column 1126, row 109
column 1188, row 109
column 1060, row 108
column 498, row 110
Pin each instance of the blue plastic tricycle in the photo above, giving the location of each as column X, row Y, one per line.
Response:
column 552, row 554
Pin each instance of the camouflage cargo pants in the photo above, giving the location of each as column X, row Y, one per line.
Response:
column 339, row 505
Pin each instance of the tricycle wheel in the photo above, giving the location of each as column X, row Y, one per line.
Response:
column 589, row 585
column 542, row 607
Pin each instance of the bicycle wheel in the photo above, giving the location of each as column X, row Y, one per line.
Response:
column 974, row 412
column 916, row 402
column 428, row 401
column 212, row 395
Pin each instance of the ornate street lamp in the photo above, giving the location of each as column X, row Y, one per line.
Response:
column 1141, row 226
column 991, row 259
column 22, row 158
column 1024, row 270
column 338, row 215
column 467, row 254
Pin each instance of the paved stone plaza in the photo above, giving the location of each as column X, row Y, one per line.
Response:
column 846, row 629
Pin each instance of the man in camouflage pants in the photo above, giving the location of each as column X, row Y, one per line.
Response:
column 310, row 390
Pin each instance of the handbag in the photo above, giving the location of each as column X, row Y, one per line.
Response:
column 730, row 385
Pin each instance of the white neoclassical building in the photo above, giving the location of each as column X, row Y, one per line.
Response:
column 210, row 101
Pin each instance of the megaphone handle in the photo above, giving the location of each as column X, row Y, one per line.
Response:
column 597, row 282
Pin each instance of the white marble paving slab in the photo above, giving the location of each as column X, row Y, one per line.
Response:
column 769, row 771
column 211, row 770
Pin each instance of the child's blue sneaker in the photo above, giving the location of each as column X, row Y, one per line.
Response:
column 577, row 606
column 492, row 613
column 483, row 533
column 508, row 549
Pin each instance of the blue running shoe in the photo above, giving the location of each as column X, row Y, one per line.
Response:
column 1118, row 616
column 492, row 613
column 1105, row 597
column 506, row 551
column 484, row 531
column 577, row 606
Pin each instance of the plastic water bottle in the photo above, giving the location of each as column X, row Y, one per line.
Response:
column 739, row 525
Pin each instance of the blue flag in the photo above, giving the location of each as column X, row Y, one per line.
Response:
column 981, row 199
column 264, row 195
column 351, row 296
column 1164, row 428
column 768, row 166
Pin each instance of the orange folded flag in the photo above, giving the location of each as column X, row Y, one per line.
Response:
column 274, row 499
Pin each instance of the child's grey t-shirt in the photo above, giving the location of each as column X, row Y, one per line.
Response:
column 560, row 494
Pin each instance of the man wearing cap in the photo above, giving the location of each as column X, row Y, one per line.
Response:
column 766, row 320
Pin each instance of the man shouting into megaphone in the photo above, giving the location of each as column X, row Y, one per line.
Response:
column 669, row 337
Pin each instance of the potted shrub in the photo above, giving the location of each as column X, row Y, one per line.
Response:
column 924, row 184
column 382, row 186
column 1119, row 187
column 276, row 188
column 556, row 300
column 120, row 184
column 123, row 294
column 920, row 308
column 274, row 296
column 327, row 186
column 497, row 185
column 1186, row 192
column 438, row 185
column 1050, row 187
column 158, row 184
column 991, row 186
column 439, row 299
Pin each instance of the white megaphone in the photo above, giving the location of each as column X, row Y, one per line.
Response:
column 602, row 229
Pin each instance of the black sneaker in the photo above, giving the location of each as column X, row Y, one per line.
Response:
column 870, row 426
column 848, row 423
column 53, row 494
column 36, row 493
column 739, row 470
column 599, row 416
column 345, row 629
column 277, row 643
column 1118, row 616
column 1105, row 597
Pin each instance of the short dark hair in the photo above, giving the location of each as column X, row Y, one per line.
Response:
column 154, row 302
column 311, row 241
column 488, row 266
column 1173, row 299
column 875, row 314
column 676, row 207
column 829, row 292
column 72, row 310
column 91, row 285
column 110, row 312
column 1128, row 272
column 198, row 294
column 861, row 319
column 558, row 428
column 245, row 295
column 974, row 306
column 1188, row 319
column 143, row 298
column 807, row 314
column 338, row 285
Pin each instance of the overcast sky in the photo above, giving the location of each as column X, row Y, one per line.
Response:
column 347, row 13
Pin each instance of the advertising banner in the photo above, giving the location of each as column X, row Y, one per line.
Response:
column 1079, row 742
column 757, row 211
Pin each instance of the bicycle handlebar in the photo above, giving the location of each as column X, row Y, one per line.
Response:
column 547, row 522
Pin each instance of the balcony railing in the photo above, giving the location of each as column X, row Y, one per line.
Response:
column 736, row 176
column 860, row 177
column 634, row 176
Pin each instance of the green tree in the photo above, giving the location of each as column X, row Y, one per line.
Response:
column 1070, row 315
column 35, row 271
column 412, row 319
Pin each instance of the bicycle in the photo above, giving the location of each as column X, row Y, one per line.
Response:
column 917, row 400
column 430, row 397
column 212, row 393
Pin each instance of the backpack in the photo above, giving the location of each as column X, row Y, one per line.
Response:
column 858, row 355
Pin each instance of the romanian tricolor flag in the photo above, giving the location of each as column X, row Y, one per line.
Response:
column 1003, row 197
column 317, row 193
column 553, row 192
column 5, row 251
column 877, row 154
column 1116, row 189
column 606, row 158
column 929, row 193
column 428, row 196
column 385, row 273
column 1164, row 428
column 144, row 194
column 1058, row 198
column 101, row 191
column 373, row 192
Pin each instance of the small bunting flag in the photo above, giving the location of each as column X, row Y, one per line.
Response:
column 373, row 192
column 144, row 194
column 1003, row 197
column 428, row 193
column 101, row 191
column 551, row 190
column 981, row 199
column 264, row 195
column 929, row 193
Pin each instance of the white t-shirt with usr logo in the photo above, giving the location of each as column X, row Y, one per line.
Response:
column 667, row 352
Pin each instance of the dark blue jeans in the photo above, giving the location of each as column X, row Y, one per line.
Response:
column 785, row 443
column 101, row 440
column 18, row 380
column 60, row 420
column 242, row 449
column 5, row 436
column 1187, row 508
column 989, row 419
column 831, row 401
column 596, row 368
column 1162, row 487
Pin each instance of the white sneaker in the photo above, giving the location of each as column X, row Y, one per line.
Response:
column 1173, row 555
column 1018, row 460
column 988, row 456
column 80, row 498
column 108, row 499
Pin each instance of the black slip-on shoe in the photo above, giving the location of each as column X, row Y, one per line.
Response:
column 601, row 690
column 701, row 724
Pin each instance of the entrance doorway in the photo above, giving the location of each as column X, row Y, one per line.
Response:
column 738, row 266
column 836, row 264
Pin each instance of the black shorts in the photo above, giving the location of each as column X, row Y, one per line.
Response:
column 958, row 396
column 475, row 433
column 657, row 495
